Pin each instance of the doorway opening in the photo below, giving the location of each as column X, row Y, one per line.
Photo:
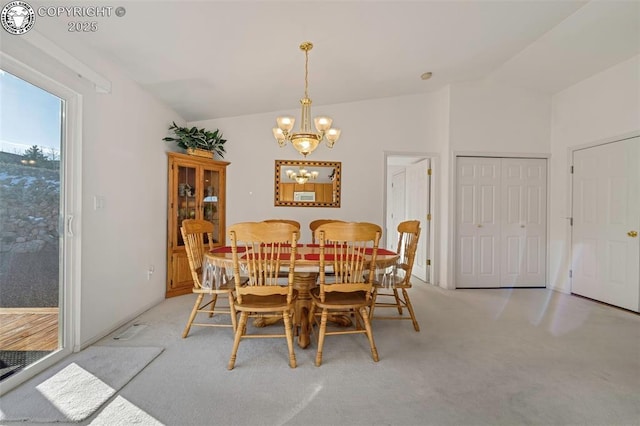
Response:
column 409, row 195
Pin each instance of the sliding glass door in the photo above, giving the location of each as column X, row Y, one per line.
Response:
column 36, row 309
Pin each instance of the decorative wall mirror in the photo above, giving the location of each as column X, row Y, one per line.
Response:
column 307, row 183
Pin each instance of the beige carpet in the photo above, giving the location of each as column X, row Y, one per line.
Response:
column 503, row 357
column 77, row 387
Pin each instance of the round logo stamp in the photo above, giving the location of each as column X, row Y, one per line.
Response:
column 17, row 17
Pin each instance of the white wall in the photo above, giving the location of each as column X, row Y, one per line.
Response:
column 437, row 126
column 124, row 161
column 369, row 129
column 602, row 107
column 487, row 117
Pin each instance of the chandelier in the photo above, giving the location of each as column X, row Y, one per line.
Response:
column 305, row 141
column 302, row 176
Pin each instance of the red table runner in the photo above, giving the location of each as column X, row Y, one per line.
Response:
column 286, row 256
column 328, row 257
column 226, row 249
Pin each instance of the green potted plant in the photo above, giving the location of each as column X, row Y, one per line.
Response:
column 196, row 141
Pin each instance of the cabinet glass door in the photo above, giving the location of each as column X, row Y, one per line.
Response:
column 187, row 201
column 210, row 204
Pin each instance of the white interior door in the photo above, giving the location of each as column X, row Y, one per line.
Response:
column 398, row 208
column 606, row 220
column 523, row 227
column 478, row 222
column 417, row 209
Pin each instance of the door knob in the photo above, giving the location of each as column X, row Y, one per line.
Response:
column 521, row 226
column 479, row 225
column 632, row 234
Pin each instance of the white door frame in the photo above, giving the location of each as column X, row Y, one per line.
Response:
column 453, row 185
column 70, row 217
column 432, row 234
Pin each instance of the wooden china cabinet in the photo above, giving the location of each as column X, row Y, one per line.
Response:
column 196, row 191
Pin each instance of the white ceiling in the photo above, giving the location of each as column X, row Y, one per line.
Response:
column 212, row 59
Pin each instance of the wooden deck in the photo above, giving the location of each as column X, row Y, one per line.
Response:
column 28, row 329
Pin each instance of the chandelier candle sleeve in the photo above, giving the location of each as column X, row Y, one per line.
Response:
column 305, row 141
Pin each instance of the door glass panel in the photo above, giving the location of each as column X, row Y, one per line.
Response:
column 30, row 240
column 210, row 206
column 186, row 197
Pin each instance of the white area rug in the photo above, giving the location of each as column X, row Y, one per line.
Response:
column 121, row 412
column 74, row 389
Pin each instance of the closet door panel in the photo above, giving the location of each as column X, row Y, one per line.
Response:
column 478, row 223
column 523, row 230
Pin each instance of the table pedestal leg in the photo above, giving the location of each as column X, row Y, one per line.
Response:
column 304, row 282
column 263, row 322
column 341, row 320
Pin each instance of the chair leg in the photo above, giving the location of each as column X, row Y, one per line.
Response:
column 286, row 316
column 214, row 299
column 374, row 296
column 236, row 341
column 357, row 319
column 323, row 329
column 312, row 318
column 398, row 303
column 194, row 311
column 367, row 326
column 233, row 313
column 407, row 302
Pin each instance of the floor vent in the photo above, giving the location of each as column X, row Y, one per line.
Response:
column 130, row 332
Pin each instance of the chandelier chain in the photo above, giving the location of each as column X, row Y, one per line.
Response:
column 306, row 73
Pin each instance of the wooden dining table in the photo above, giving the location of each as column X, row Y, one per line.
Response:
column 218, row 268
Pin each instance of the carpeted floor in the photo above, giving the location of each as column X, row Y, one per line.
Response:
column 74, row 389
column 482, row 357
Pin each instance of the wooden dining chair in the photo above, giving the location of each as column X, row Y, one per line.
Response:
column 390, row 289
column 261, row 251
column 290, row 221
column 351, row 249
column 194, row 232
column 315, row 224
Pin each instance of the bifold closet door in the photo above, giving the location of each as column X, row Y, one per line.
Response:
column 523, row 228
column 501, row 222
column 478, row 222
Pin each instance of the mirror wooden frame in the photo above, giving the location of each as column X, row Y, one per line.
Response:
column 281, row 197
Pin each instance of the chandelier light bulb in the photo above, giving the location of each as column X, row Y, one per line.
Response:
column 322, row 123
column 285, row 123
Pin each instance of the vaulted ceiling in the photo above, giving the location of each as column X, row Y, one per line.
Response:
column 212, row 59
